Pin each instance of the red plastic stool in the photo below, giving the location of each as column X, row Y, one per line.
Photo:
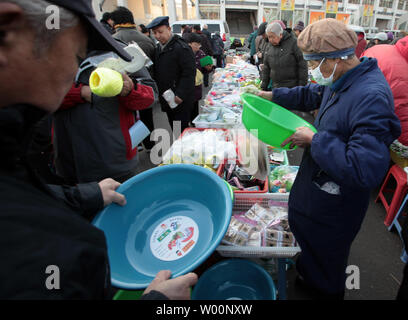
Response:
column 399, row 193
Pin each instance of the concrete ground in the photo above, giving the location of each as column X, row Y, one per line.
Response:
column 375, row 251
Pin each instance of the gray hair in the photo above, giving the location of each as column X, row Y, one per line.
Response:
column 275, row 28
column 36, row 15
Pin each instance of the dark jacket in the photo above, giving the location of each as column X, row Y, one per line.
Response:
column 38, row 230
column 107, row 27
column 205, row 44
column 217, row 45
column 132, row 34
column 251, row 42
column 206, row 33
column 199, row 89
column 350, row 149
column 92, row 140
column 174, row 68
column 284, row 64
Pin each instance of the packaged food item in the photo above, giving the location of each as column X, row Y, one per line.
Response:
column 281, row 178
column 275, row 238
column 238, row 232
column 261, row 215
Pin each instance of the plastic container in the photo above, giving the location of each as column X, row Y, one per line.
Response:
column 242, row 203
column 207, row 60
column 274, row 123
column 128, row 295
column 235, row 279
column 168, row 223
column 200, row 123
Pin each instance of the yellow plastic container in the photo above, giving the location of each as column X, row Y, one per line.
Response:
column 106, row 82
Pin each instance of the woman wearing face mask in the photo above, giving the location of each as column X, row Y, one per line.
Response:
column 348, row 156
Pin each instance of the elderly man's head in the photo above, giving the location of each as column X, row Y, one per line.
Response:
column 328, row 46
column 274, row 33
column 41, row 45
column 38, row 65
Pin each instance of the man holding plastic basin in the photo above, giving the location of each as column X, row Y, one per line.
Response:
column 41, row 238
column 348, row 156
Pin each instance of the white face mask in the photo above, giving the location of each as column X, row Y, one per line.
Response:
column 319, row 78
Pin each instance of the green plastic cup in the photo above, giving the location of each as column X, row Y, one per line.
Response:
column 274, row 123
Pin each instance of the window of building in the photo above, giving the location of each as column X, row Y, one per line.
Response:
column 271, row 14
column 210, row 12
column 386, row 3
column 287, row 16
column 354, row 1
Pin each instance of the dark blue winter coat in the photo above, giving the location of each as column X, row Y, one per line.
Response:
column 356, row 124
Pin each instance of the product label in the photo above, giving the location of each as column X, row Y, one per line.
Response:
column 173, row 238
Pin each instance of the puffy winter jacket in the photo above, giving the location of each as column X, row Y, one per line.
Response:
column 393, row 62
column 284, row 64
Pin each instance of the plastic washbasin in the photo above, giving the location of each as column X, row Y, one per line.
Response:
column 175, row 217
column 274, row 124
column 235, row 279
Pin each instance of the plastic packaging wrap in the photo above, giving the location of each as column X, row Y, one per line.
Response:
column 260, row 227
column 281, row 178
column 140, row 60
column 207, row 147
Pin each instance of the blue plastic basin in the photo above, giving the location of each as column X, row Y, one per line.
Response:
column 235, row 279
column 154, row 231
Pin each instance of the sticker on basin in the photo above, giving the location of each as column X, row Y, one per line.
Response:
column 174, row 238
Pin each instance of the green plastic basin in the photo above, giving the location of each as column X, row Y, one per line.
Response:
column 128, row 295
column 273, row 123
column 206, row 61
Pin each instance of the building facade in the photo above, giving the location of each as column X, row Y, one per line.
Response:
column 145, row 11
column 370, row 14
column 242, row 15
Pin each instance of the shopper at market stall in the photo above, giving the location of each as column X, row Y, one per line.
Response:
column 37, row 230
column 195, row 44
column 348, row 156
column 252, row 44
column 283, row 64
column 393, row 62
column 218, row 49
column 127, row 31
column 91, row 133
column 206, row 32
column 261, row 41
column 174, row 69
column 361, row 44
column 379, row 38
column 142, row 28
column 107, row 22
column 205, row 46
column 299, row 28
